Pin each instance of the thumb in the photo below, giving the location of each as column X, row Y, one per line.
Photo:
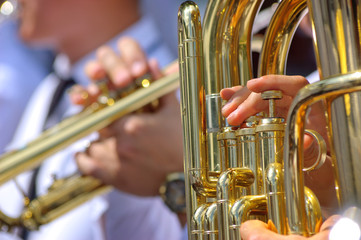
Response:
column 154, row 69
column 255, row 229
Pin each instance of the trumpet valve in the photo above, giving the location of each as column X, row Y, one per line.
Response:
column 271, row 96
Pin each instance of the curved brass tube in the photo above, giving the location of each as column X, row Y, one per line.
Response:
column 337, row 35
column 196, row 226
column 229, row 184
column 70, row 193
column 210, row 223
column 235, row 55
column 242, row 210
column 273, row 61
column 330, row 89
column 225, row 60
column 193, row 118
column 279, row 35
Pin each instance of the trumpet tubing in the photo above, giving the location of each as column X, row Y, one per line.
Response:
column 65, row 194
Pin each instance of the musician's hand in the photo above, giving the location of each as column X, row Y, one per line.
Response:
column 136, row 152
column 144, row 148
column 254, row 229
column 244, row 102
column 118, row 69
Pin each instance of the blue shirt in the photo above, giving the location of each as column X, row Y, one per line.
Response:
column 21, row 69
column 126, row 216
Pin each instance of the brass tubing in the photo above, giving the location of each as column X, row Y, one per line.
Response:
column 196, row 225
column 8, row 223
column 337, row 39
column 235, row 69
column 293, row 155
column 275, row 196
column 236, row 58
column 336, row 28
column 270, row 134
column 212, row 37
column 191, row 198
column 248, row 155
column 73, row 192
column 313, row 211
column 228, row 149
column 273, row 61
column 210, row 223
column 241, row 211
column 193, row 100
column 214, row 124
column 193, row 118
column 279, row 35
column 229, row 184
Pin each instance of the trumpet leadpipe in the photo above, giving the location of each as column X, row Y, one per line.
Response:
column 31, row 155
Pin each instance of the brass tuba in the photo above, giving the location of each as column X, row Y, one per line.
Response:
column 67, row 193
column 238, row 173
column 337, row 41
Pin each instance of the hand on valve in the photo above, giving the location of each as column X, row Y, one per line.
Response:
column 136, row 152
column 243, row 102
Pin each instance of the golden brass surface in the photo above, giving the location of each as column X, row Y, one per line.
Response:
column 218, row 200
column 336, row 29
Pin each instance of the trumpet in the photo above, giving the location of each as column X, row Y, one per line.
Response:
column 68, row 193
column 256, row 171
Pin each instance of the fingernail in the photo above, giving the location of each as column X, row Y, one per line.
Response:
column 225, row 102
column 93, row 89
column 231, row 117
column 138, row 68
column 122, row 78
column 226, row 106
column 254, row 80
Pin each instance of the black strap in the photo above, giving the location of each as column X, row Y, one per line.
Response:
column 24, row 233
column 58, row 94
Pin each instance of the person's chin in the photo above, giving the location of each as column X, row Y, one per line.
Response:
column 29, row 36
column 26, row 35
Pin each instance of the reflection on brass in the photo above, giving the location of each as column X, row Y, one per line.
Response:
column 336, row 27
column 255, row 171
column 68, row 193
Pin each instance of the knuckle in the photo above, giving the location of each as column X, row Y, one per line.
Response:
column 103, row 51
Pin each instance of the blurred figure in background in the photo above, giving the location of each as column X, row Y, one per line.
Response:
column 165, row 14
column 21, row 70
column 75, row 29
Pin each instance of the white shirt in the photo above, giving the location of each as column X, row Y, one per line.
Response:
column 126, row 216
column 313, row 77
